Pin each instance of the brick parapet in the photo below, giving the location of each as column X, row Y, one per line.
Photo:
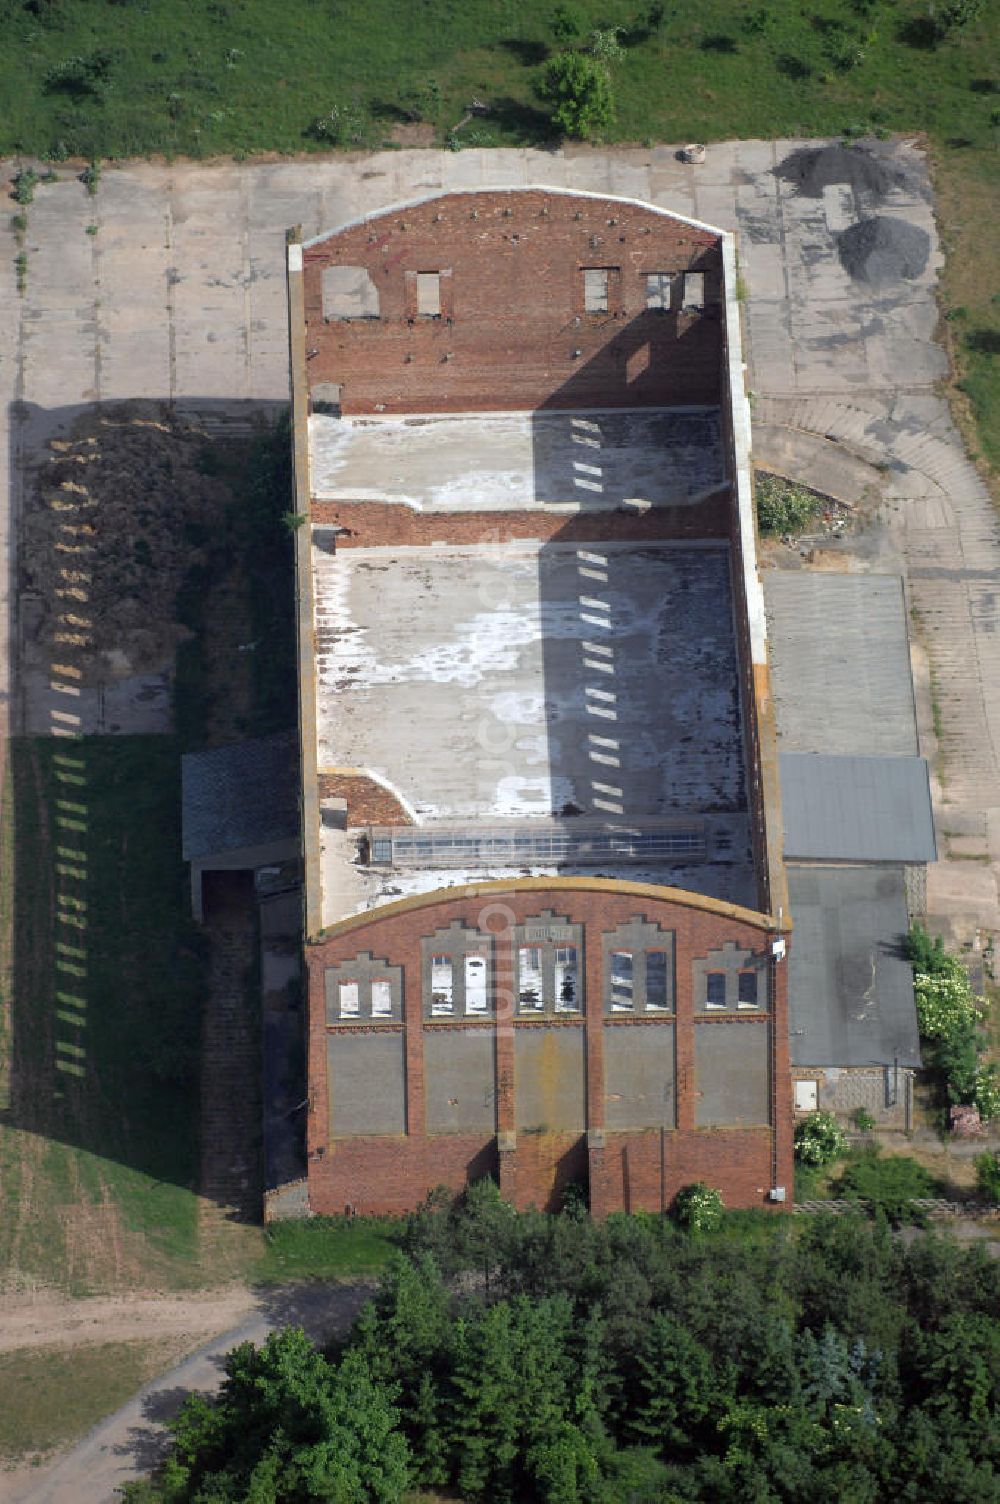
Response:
column 374, row 524
column 513, row 331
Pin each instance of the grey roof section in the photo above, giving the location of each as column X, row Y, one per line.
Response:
column 840, row 662
column 856, row 809
column 240, row 796
column 850, row 986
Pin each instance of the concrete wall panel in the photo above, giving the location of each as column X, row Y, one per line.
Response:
column 639, row 1076
column 367, row 1093
column 459, row 1080
column 550, row 1089
column 731, row 1074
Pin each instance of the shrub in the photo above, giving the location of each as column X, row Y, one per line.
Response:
column 579, row 90
column 23, row 189
column 925, row 954
column 781, row 506
column 986, row 1093
column 90, row 177
column 888, row 1185
column 819, row 1139
column 342, row 126
column 988, row 1175
column 863, row 1120
column 953, row 15
column 698, row 1207
column 606, row 46
column 567, row 23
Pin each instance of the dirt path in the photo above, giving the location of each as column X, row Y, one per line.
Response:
column 131, row 1441
column 47, row 1319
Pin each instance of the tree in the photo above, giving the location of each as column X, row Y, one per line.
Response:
column 287, row 1425
column 579, row 90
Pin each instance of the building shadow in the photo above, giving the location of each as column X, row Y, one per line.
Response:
column 102, row 1037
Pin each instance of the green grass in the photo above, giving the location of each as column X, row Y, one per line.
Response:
column 52, row 1395
column 98, row 1149
column 328, row 1248
column 253, row 75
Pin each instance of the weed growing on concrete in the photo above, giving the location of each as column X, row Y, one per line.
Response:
column 90, row 177
column 21, row 266
column 23, row 187
column 92, row 229
column 783, row 508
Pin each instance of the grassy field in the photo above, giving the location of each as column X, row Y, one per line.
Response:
column 98, row 1149
column 52, row 1395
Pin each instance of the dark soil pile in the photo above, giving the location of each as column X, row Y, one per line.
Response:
column 883, row 251
column 812, row 168
column 120, row 512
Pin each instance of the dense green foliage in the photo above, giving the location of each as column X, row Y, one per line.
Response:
column 888, row 1184
column 949, row 1015
column 781, row 506
column 819, row 1139
column 550, row 1358
column 988, row 1175
column 579, row 91
column 698, row 1207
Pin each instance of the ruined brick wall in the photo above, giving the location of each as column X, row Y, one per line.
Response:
column 368, row 803
column 373, row 524
column 392, row 1172
column 513, row 331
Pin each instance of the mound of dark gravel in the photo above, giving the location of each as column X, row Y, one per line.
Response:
column 881, row 251
column 810, row 169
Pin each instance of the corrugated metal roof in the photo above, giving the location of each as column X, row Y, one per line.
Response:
column 856, row 809
column 850, row 986
column 840, row 662
column 243, row 795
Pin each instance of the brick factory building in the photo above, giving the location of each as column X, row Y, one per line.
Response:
column 545, row 905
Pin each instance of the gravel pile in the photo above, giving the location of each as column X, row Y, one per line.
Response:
column 810, row 169
column 883, row 251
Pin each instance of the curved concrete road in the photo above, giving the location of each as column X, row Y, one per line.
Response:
column 133, row 1440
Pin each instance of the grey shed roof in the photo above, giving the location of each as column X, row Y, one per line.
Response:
column 850, row 986
column 840, row 662
column 240, row 796
column 856, row 809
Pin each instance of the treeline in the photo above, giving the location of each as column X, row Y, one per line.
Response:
column 549, row 1358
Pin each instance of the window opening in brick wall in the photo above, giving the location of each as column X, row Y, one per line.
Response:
column 694, row 292
column 429, row 295
column 657, row 982
column 475, row 984
column 567, row 991
column 382, row 849
column 348, row 293
column 747, row 994
column 658, row 286
column 442, row 985
column 715, row 989
column 622, row 996
column 595, row 289
column 381, row 999
column 350, row 1000
column 529, row 978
